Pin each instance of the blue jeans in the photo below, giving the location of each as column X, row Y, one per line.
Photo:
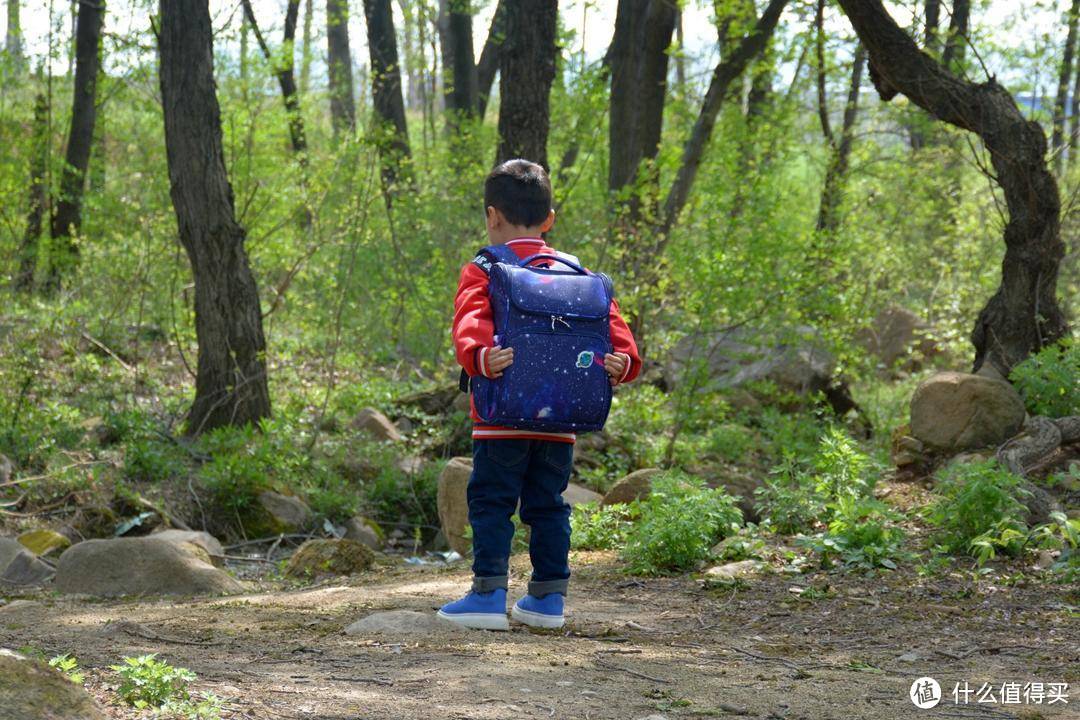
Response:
column 535, row 472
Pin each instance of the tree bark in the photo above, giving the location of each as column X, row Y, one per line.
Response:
column 460, row 76
column 13, row 38
column 624, row 57
column 283, row 70
column 527, row 70
column 1023, row 315
column 38, row 195
column 392, row 133
column 307, row 55
column 488, row 64
column 230, row 386
column 342, row 109
column 832, row 192
column 1057, row 141
column 726, row 72
column 1074, row 124
column 68, row 217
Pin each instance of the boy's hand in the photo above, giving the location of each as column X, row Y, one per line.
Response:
column 498, row 359
column 616, row 365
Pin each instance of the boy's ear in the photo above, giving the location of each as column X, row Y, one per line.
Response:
column 494, row 217
column 548, row 222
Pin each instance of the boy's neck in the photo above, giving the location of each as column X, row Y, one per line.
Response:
column 516, row 233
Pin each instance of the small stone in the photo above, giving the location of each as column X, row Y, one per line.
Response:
column 634, row 486
column 733, row 570
column 287, row 513
column 324, row 557
column 377, row 425
column 26, row 569
column 43, row 542
column 403, row 622
column 363, row 531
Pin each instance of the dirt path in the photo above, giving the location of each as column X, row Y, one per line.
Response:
column 633, row 648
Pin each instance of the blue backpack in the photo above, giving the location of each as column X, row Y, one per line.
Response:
column 557, row 321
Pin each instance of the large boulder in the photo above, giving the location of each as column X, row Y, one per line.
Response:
column 453, row 503
column 738, row 361
column 575, row 494
column 634, row 486
column 955, row 411
column 139, row 566
column 317, row 558
column 204, row 541
column 283, row 513
column 377, row 425
column 31, row 690
column 899, row 339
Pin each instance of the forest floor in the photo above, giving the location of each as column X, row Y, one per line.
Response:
column 776, row 646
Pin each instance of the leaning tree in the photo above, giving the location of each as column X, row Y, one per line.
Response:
column 1023, row 315
column 230, row 383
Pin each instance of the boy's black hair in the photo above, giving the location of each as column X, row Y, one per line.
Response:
column 520, row 190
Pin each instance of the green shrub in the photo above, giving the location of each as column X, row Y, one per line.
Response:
column 146, row 682
column 1049, row 380
column 980, row 510
column 1063, row 535
column 395, row 496
column 69, row 666
column 152, row 459
column 679, row 522
column 595, row 527
column 863, row 532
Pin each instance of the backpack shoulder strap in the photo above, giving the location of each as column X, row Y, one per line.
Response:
column 486, row 257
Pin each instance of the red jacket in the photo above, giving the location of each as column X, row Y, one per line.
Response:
column 474, row 330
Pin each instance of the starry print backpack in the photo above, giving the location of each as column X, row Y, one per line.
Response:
column 557, row 321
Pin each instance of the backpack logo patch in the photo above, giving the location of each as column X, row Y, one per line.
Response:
column 585, row 358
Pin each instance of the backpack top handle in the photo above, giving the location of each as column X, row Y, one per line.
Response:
column 548, row 256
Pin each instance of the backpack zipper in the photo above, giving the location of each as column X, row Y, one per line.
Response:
column 558, row 318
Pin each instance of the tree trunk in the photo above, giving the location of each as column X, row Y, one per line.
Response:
column 342, row 110
column 283, row 70
column 230, row 385
column 727, row 71
column 392, row 133
column 1057, row 142
column 527, row 70
column 13, row 39
column 624, row 57
column 488, row 64
column 956, row 41
column 68, row 217
column 1023, row 315
column 832, row 192
column 307, row 54
column 680, row 59
column 460, row 75
column 1074, row 123
column 39, row 198
column 931, row 34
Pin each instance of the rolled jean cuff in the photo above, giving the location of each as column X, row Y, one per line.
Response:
column 487, row 584
column 540, row 588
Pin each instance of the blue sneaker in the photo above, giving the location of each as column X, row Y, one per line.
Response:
column 545, row 612
column 481, row 611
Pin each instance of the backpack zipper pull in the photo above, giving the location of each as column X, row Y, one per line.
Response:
column 558, row 318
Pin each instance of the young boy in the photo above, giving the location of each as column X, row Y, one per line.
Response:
column 512, row 465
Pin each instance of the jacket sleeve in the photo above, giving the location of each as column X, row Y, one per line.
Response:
column 474, row 327
column 622, row 341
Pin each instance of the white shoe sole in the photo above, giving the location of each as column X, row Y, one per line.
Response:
column 537, row 620
column 477, row 621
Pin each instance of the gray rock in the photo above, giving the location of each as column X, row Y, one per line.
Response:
column 402, row 622
column 361, row 530
column 954, row 411
column 634, row 486
column 333, row 556
column 288, row 513
column 576, row 495
column 7, row 469
column 198, row 538
column 733, row 570
column 9, row 548
column 377, row 425
column 139, row 566
column 899, row 339
column 26, row 569
column 31, row 690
